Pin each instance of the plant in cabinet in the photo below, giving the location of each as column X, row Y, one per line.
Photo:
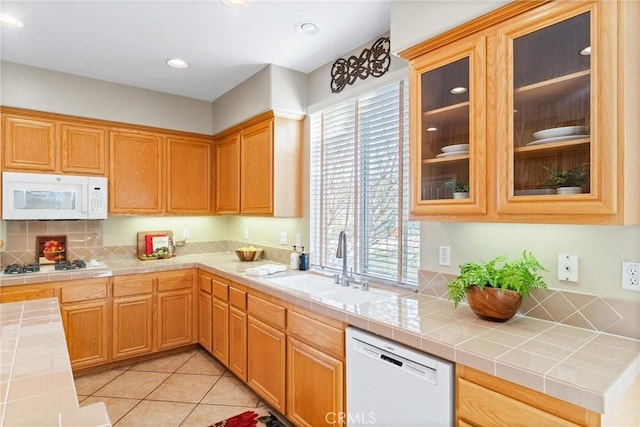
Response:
column 460, row 189
column 571, row 181
column 494, row 289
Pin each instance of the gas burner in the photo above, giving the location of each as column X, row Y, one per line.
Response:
column 22, row 268
column 70, row 265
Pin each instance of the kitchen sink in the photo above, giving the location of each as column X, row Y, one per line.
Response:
column 323, row 288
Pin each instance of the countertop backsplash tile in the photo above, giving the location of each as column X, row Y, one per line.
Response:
column 586, row 311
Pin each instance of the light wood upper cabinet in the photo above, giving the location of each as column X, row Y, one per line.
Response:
column 228, row 175
column 43, row 142
column 84, row 148
column 29, row 143
column 549, row 87
column 259, row 167
column 189, row 180
column 136, row 172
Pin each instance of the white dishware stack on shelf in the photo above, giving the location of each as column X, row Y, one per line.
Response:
column 559, row 134
column 453, row 150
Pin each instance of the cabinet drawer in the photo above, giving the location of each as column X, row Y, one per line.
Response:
column 484, row 407
column 83, row 292
column 266, row 311
column 237, row 298
column 173, row 281
column 204, row 283
column 318, row 334
column 221, row 289
column 127, row 287
column 18, row 293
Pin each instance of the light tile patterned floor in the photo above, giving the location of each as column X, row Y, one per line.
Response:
column 184, row 389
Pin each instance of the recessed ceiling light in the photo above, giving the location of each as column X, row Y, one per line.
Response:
column 307, row 28
column 10, row 21
column 586, row 51
column 458, row 90
column 432, row 129
column 177, row 63
column 236, row 4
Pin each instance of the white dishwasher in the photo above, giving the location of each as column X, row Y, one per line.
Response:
column 392, row 385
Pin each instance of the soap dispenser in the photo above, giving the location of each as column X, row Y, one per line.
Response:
column 294, row 259
column 303, row 262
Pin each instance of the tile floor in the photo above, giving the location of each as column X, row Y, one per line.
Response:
column 184, row 389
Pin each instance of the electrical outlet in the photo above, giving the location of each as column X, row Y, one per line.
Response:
column 284, row 239
column 185, row 233
column 568, row 267
column 631, row 276
column 246, row 234
column 298, row 240
column 444, row 257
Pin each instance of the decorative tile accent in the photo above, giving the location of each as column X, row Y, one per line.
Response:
column 587, row 311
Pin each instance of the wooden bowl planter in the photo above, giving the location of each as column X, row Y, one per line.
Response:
column 493, row 304
column 494, row 289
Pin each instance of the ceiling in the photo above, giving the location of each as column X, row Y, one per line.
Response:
column 128, row 42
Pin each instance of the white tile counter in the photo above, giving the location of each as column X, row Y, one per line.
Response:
column 36, row 381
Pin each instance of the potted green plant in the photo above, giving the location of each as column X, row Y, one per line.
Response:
column 460, row 189
column 570, row 181
column 494, row 289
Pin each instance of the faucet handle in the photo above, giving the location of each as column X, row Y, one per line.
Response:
column 365, row 285
column 351, row 272
column 336, row 279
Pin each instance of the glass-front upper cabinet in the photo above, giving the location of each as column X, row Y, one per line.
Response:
column 447, row 94
column 553, row 143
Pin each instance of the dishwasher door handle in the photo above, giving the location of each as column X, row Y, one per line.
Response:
column 390, row 360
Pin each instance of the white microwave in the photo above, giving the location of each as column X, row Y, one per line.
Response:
column 44, row 197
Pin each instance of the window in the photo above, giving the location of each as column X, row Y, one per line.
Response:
column 360, row 184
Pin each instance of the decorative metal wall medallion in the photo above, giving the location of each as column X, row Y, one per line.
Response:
column 371, row 62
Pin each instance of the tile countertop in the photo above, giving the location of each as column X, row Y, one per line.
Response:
column 36, row 381
column 587, row 368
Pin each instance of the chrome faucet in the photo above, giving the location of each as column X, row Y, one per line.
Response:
column 342, row 253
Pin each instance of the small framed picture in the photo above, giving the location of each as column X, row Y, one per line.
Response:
column 51, row 249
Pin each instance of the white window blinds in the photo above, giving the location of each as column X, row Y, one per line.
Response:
column 359, row 180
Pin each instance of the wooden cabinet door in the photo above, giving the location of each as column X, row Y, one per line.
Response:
column 175, row 322
column 189, row 176
column 220, row 340
column 136, row 173
column 228, row 175
column 84, row 149
column 29, row 144
column 266, row 347
column 205, row 320
column 448, row 108
column 256, row 169
column 315, row 385
column 86, row 327
column 238, row 342
column 132, row 326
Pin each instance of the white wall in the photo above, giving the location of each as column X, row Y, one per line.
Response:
column 123, row 231
column 413, row 21
column 272, row 88
column 44, row 90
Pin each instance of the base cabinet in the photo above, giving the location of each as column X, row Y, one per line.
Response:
column 132, row 316
column 85, row 316
column 238, row 342
column 485, row 400
column 315, row 386
column 205, row 302
column 266, row 347
column 175, row 309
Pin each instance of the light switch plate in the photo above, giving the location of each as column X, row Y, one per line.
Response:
column 568, row 267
